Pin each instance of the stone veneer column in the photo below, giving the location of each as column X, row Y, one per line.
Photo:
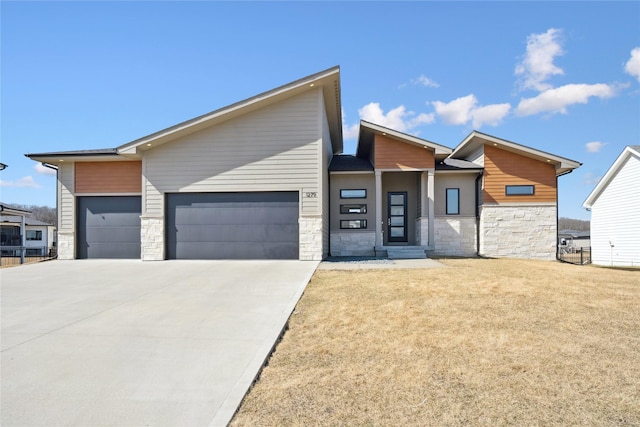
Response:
column 310, row 231
column 518, row 231
column 66, row 244
column 152, row 237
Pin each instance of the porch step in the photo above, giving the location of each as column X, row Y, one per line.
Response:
column 406, row 252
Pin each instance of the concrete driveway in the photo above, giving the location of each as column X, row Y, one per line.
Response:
column 127, row 343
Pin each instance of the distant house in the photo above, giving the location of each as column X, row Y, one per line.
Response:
column 615, row 212
column 574, row 238
column 265, row 178
column 38, row 238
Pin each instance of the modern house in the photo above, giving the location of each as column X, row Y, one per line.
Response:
column 615, row 205
column 265, row 178
column 39, row 237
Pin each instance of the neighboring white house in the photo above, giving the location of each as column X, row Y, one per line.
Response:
column 615, row 212
column 38, row 239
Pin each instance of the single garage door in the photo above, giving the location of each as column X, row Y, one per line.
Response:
column 108, row 227
column 232, row 225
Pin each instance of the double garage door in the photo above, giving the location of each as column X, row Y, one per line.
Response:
column 198, row 226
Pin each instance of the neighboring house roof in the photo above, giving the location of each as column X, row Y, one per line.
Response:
column 629, row 151
column 350, row 163
column 369, row 130
column 575, row 234
column 476, row 140
column 328, row 80
column 10, row 210
column 28, row 221
column 450, row 164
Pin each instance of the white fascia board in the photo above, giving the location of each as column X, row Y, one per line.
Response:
column 613, row 170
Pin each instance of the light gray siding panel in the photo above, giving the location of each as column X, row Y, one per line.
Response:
column 272, row 149
column 66, row 199
column 465, row 182
column 327, row 155
column 477, row 156
column 615, row 219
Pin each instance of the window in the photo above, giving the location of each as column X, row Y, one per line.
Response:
column 353, row 223
column 353, row 209
column 453, row 201
column 519, row 190
column 34, row 234
column 353, row 194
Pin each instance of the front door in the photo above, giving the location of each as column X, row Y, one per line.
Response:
column 397, row 217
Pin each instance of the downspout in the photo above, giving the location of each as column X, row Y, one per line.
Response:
column 55, row 234
column 477, row 191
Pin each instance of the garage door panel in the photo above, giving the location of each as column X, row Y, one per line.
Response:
column 233, row 225
column 108, row 227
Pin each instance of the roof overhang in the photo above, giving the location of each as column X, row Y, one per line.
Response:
column 613, row 170
column 476, row 140
column 368, row 131
column 100, row 155
column 328, row 81
column 10, row 210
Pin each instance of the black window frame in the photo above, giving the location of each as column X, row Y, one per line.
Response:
column 342, row 196
column 362, row 222
column 508, row 187
column 457, row 189
column 345, row 209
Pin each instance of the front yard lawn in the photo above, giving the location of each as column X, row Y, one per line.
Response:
column 483, row 342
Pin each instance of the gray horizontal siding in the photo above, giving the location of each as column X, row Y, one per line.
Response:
column 66, row 206
column 272, row 149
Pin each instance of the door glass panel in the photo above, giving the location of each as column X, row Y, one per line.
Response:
column 397, row 210
column 397, row 220
column 397, row 231
column 397, row 199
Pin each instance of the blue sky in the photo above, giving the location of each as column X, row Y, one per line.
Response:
column 562, row 77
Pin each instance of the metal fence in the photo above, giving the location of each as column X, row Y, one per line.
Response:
column 16, row 255
column 579, row 256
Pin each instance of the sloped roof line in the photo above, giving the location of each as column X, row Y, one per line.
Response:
column 438, row 148
column 629, row 150
column 523, row 148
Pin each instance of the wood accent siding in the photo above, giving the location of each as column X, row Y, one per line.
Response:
column 393, row 154
column 66, row 206
column 503, row 168
column 275, row 148
column 108, row 177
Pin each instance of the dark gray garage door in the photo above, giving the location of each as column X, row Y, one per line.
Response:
column 108, row 227
column 232, row 225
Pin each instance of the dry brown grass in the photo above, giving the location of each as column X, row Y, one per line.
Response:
column 484, row 342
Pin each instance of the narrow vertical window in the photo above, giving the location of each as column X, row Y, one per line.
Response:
column 453, row 201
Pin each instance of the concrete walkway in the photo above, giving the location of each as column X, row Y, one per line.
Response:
column 361, row 263
column 127, row 343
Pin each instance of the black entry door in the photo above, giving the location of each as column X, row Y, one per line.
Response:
column 397, row 217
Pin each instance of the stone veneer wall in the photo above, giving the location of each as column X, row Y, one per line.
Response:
column 66, row 245
column 361, row 243
column 455, row 236
column 525, row 231
column 310, row 238
column 422, row 231
column 152, row 237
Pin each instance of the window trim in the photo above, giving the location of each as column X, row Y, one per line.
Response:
column 520, row 186
column 362, row 224
column 457, row 212
column 343, row 190
column 345, row 209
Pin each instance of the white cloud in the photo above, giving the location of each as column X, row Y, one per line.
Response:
column 590, row 179
column 558, row 99
column 44, row 170
column 398, row 119
column 632, row 67
column 349, row 131
column 537, row 65
column 463, row 110
column 424, row 81
column 594, row 146
column 24, row 182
